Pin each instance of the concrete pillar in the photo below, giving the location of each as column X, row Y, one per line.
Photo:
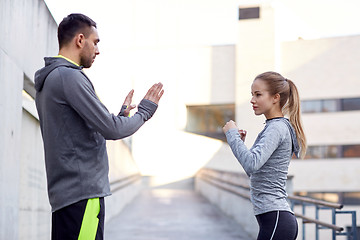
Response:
column 255, row 54
column 11, row 82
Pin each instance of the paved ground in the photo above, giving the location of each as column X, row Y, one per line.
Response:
column 167, row 214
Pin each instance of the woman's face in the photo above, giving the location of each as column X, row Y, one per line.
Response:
column 262, row 102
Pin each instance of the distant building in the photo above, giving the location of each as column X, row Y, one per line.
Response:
column 327, row 72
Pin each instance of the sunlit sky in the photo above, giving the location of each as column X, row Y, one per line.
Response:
column 139, row 22
column 125, row 25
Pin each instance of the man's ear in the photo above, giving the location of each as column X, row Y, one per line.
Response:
column 80, row 40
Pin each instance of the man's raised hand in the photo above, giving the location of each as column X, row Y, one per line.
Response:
column 155, row 93
column 127, row 103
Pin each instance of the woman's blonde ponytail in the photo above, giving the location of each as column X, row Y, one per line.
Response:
column 292, row 109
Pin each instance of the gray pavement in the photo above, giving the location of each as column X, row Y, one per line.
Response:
column 172, row 214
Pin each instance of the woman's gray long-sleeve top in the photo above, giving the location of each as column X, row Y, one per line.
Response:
column 266, row 163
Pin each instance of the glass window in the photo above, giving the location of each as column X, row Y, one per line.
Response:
column 311, row 106
column 332, row 151
column 315, row 152
column 351, row 198
column 208, row 120
column 350, row 104
column 351, row 151
column 330, row 105
column 249, row 13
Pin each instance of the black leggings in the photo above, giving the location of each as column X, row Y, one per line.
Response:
column 277, row 225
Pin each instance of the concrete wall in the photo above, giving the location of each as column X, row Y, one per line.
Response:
column 121, row 166
column 33, row 204
column 233, row 205
column 10, row 140
column 223, row 64
column 27, row 33
column 324, row 68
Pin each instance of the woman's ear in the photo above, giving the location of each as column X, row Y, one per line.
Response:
column 276, row 98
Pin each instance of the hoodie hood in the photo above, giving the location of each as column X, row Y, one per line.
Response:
column 295, row 144
column 51, row 63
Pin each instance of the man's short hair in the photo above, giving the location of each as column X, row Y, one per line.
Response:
column 73, row 24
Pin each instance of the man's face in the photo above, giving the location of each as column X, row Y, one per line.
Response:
column 90, row 50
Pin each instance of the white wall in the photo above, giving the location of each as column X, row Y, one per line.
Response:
column 236, row 207
column 33, row 204
column 325, row 69
column 11, row 78
column 121, row 165
column 255, row 54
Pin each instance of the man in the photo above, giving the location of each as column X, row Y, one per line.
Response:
column 74, row 125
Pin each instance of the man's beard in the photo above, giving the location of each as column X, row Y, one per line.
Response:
column 85, row 60
column 86, row 63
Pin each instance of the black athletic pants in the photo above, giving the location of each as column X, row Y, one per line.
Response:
column 83, row 220
column 277, row 225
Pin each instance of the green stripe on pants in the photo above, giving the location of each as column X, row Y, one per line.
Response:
column 90, row 221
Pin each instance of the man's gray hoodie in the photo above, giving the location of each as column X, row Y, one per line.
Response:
column 74, row 125
column 267, row 162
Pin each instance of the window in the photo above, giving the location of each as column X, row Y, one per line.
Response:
column 249, row 13
column 208, row 120
column 330, row 105
column 333, row 151
column 311, row 106
column 350, row 104
column 351, row 151
column 314, row 152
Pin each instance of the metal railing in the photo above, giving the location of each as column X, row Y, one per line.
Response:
column 229, row 181
column 335, row 209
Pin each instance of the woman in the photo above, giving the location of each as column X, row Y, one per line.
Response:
column 267, row 161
